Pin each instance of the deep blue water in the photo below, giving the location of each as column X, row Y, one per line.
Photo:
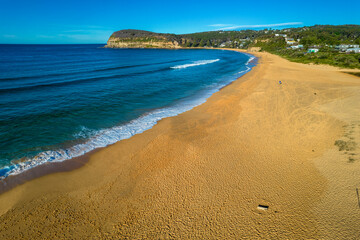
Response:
column 61, row 101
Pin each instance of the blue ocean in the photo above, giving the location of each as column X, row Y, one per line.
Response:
column 62, row 101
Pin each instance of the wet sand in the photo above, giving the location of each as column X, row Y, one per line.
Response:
column 257, row 160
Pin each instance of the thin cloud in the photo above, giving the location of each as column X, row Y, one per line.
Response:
column 45, row 36
column 87, row 36
column 80, row 33
column 81, row 27
column 220, row 25
column 77, row 30
column 262, row 25
column 9, row 36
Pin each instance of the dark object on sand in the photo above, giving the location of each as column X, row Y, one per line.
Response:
column 280, row 82
column 263, row 207
column 357, row 193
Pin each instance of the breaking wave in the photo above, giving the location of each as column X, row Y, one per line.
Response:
column 104, row 137
column 93, row 139
column 195, row 63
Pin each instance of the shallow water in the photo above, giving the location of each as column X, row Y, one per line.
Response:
column 61, row 101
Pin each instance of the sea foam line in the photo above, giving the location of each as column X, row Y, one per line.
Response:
column 250, row 59
column 246, row 70
column 195, row 63
column 105, row 137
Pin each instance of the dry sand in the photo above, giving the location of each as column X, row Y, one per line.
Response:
column 204, row 173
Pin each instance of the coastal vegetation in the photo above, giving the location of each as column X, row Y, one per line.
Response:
column 336, row 45
column 320, row 44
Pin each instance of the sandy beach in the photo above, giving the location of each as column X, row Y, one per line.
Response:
column 258, row 160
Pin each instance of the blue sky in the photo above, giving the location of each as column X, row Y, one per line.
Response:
column 79, row 21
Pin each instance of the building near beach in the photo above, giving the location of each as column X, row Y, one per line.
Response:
column 313, row 50
column 353, row 50
column 296, row 47
column 290, row 42
column 345, row 47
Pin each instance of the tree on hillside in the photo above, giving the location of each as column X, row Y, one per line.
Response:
column 201, row 44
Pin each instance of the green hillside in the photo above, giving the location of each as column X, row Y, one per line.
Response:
column 336, row 45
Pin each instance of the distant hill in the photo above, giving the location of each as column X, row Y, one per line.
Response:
column 336, row 45
column 131, row 38
column 132, row 33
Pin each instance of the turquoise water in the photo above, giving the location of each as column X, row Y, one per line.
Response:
column 62, row 101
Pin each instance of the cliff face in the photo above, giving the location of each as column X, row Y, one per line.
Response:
column 142, row 39
column 140, row 43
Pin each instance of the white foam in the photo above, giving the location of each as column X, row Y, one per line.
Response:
column 105, row 137
column 246, row 70
column 195, row 63
column 250, row 59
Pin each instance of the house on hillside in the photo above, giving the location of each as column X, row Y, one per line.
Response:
column 344, row 47
column 313, row 50
column 296, row 47
column 353, row 50
column 290, row 42
column 226, row 44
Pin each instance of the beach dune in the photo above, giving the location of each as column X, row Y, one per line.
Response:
column 257, row 160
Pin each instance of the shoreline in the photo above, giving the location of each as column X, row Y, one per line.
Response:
column 42, row 170
column 47, row 167
column 249, row 162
